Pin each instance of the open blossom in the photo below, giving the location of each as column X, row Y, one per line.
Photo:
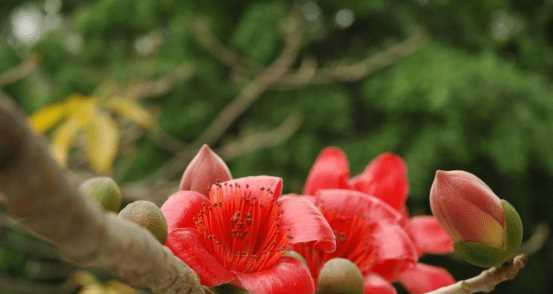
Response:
column 238, row 230
column 476, row 219
column 369, row 217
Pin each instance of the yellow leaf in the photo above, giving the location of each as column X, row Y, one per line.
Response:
column 65, row 135
column 130, row 110
column 45, row 118
column 63, row 139
column 101, row 142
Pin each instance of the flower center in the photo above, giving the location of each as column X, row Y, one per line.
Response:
column 353, row 241
column 242, row 227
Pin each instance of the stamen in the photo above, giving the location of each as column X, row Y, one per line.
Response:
column 241, row 230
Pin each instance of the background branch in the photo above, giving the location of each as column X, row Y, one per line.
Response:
column 40, row 197
column 18, row 72
column 487, row 280
column 354, row 71
column 247, row 96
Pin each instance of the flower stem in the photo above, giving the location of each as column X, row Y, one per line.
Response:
column 487, row 280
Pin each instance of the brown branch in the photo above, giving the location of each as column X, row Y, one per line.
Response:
column 249, row 94
column 41, row 198
column 351, row 72
column 487, row 280
column 160, row 86
column 205, row 37
column 18, row 72
column 259, row 140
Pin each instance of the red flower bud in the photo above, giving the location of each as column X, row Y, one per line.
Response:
column 206, row 169
column 486, row 230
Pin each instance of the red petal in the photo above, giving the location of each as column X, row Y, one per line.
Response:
column 330, row 171
column 262, row 187
column 423, row 278
column 395, row 250
column 181, row 207
column 289, row 275
column 385, row 178
column 187, row 245
column 304, row 222
column 375, row 284
column 349, row 202
column 428, row 235
column 206, row 169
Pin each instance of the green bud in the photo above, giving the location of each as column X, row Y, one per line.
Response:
column 147, row 215
column 340, row 276
column 487, row 256
column 104, row 190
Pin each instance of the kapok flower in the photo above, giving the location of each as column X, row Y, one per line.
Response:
column 486, row 229
column 238, row 231
column 384, row 182
column 368, row 233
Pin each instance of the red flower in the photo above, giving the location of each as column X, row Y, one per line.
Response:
column 239, row 231
column 370, row 220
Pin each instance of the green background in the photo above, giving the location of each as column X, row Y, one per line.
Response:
column 476, row 95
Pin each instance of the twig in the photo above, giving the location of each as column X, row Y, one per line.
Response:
column 159, row 87
column 354, row 71
column 18, row 72
column 249, row 94
column 227, row 56
column 42, row 199
column 537, row 240
column 258, row 140
column 487, row 280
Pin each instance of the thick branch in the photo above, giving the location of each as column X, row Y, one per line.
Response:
column 42, row 199
column 487, row 280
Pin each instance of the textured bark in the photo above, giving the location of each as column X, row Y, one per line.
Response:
column 43, row 200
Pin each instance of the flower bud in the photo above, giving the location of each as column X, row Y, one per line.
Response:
column 487, row 230
column 205, row 169
column 340, row 276
column 104, row 190
column 147, row 215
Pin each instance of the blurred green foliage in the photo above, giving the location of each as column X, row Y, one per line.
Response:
column 476, row 96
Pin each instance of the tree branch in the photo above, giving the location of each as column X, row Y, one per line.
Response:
column 487, row 280
column 309, row 74
column 249, row 94
column 18, row 72
column 225, row 55
column 41, row 198
column 258, row 140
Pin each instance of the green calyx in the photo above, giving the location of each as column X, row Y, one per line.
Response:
column 104, row 190
column 487, row 256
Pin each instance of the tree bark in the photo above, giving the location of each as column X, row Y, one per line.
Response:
column 42, row 199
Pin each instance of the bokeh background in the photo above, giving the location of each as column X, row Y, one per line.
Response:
column 446, row 84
